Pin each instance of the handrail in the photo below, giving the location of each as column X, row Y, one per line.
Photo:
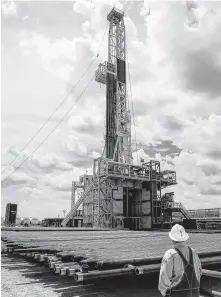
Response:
column 77, row 204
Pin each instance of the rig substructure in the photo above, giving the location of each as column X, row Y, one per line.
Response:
column 120, row 194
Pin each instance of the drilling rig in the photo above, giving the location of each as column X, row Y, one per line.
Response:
column 119, row 194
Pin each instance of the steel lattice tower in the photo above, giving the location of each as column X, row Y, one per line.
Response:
column 119, row 194
column 113, row 74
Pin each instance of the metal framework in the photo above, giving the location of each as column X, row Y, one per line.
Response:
column 113, row 74
column 118, row 193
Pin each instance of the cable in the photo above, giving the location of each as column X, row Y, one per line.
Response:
column 72, row 89
column 132, row 105
column 15, row 169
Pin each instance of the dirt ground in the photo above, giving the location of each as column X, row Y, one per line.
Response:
column 23, row 279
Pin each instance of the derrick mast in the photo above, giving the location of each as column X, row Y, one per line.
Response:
column 113, row 74
column 120, row 194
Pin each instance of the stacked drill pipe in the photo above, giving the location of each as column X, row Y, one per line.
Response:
column 140, row 270
column 86, row 257
column 114, row 264
column 117, row 244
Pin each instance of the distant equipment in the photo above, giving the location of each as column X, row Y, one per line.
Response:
column 34, row 221
column 10, row 214
column 26, row 222
column 18, row 221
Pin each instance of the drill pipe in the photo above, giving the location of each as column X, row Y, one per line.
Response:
column 146, row 269
column 212, row 273
column 37, row 256
column 65, row 257
column 53, row 264
column 105, row 264
column 52, row 260
column 216, row 294
column 63, row 264
column 79, row 276
column 78, row 258
column 90, row 262
column 38, row 250
column 44, row 257
column 71, row 270
column 209, row 293
column 13, row 245
column 24, row 249
column 64, row 270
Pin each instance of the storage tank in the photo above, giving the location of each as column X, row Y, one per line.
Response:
column 26, row 221
column 34, row 221
column 18, row 221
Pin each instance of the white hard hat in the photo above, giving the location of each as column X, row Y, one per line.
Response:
column 178, row 233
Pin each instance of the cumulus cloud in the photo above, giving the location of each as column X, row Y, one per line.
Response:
column 45, row 163
column 175, row 74
column 9, row 8
column 17, row 178
column 211, row 191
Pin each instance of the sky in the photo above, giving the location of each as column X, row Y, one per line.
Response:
column 174, row 55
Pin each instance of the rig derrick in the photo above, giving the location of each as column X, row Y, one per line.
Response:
column 120, row 194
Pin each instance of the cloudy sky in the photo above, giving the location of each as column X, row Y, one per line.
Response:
column 174, row 53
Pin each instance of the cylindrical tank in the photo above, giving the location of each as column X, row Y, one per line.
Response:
column 34, row 221
column 26, row 221
column 18, row 221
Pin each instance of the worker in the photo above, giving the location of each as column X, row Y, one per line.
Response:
column 181, row 269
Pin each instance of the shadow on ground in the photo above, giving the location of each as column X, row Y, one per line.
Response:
column 66, row 286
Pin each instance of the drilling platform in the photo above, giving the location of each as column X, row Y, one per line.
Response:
column 120, row 194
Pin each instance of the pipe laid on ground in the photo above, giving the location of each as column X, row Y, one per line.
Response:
column 89, row 264
column 65, row 257
column 65, row 269
column 72, row 270
column 37, row 256
column 51, row 258
column 78, row 258
column 79, row 276
column 212, row 273
column 103, row 265
column 64, row 264
column 209, row 293
column 40, row 250
column 52, row 264
column 146, row 269
column 216, row 294
column 44, row 257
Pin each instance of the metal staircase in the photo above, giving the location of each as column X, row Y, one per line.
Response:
column 183, row 210
column 72, row 212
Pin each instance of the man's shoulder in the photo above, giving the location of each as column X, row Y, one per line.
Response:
column 169, row 254
column 194, row 253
